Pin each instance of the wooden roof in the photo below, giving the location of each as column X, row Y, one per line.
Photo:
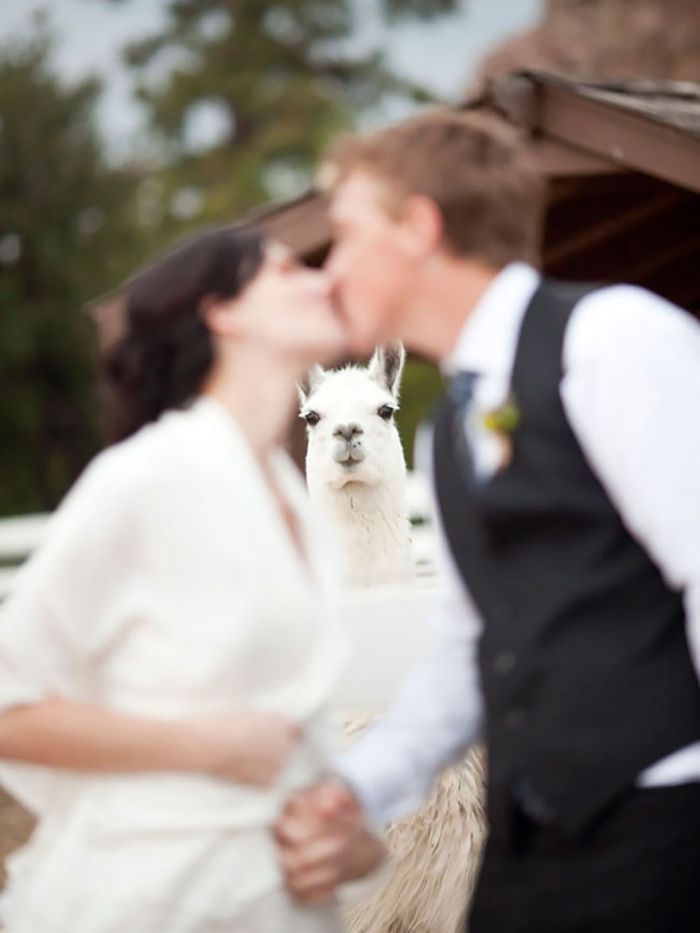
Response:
column 673, row 103
column 653, row 127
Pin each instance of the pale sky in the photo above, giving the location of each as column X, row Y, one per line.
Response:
column 92, row 32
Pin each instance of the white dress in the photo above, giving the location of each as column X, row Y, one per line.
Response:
column 169, row 586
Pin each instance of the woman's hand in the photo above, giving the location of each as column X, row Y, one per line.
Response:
column 249, row 746
column 324, row 841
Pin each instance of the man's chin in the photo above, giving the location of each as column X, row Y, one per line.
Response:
column 363, row 332
column 361, row 345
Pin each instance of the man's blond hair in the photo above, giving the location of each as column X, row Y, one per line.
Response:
column 472, row 165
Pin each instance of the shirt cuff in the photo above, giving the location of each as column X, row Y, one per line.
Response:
column 383, row 795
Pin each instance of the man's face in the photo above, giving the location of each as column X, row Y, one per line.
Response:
column 369, row 267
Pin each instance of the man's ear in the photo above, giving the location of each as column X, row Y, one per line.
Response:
column 422, row 224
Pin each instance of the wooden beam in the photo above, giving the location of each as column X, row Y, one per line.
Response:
column 303, row 226
column 559, row 160
column 561, row 111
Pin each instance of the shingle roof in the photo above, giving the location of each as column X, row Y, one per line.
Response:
column 674, row 103
column 652, row 127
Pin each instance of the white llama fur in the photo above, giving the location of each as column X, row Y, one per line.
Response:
column 355, row 467
column 358, row 480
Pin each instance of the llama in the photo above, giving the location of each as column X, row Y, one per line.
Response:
column 356, row 476
column 355, row 465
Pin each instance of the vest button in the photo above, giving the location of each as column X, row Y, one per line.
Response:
column 504, row 662
column 514, row 718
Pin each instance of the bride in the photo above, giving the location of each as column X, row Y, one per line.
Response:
column 166, row 655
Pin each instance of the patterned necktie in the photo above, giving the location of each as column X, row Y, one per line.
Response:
column 461, row 388
column 461, row 392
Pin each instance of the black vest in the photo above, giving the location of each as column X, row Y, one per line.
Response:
column 584, row 663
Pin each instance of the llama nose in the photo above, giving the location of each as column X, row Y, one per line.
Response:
column 347, row 431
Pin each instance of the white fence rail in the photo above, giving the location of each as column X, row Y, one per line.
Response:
column 18, row 538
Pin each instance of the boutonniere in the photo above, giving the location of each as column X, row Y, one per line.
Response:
column 501, row 423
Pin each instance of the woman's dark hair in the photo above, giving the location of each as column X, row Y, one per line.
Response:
column 164, row 351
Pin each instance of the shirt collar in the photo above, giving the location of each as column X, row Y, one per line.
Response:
column 488, row 339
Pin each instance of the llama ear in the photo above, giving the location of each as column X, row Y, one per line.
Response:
column 313, row 380
column 386, row 366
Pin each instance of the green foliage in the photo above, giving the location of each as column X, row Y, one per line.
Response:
column 66, row 232
column 282, row 79
column 284, row 76
column 422, row 386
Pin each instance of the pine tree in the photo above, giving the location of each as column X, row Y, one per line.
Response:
column 281, row 78
column 68, row 232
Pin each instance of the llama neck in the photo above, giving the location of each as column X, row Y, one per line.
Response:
column 373, row 528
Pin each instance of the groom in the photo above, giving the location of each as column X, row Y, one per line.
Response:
column 565, row 461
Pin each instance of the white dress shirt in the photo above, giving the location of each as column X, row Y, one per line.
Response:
column 631, row 393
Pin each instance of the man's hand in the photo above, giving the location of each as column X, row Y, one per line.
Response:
column 324, row 841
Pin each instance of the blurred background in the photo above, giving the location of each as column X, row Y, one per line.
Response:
column 126, row 123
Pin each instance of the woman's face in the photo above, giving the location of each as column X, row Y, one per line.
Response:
column 287, row 307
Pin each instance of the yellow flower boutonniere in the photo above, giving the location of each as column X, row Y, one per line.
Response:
column 502, row 422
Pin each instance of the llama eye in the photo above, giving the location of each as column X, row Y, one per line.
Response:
column 386, row 412
column 312, row 418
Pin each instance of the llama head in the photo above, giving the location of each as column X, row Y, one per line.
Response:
column 349, row 413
